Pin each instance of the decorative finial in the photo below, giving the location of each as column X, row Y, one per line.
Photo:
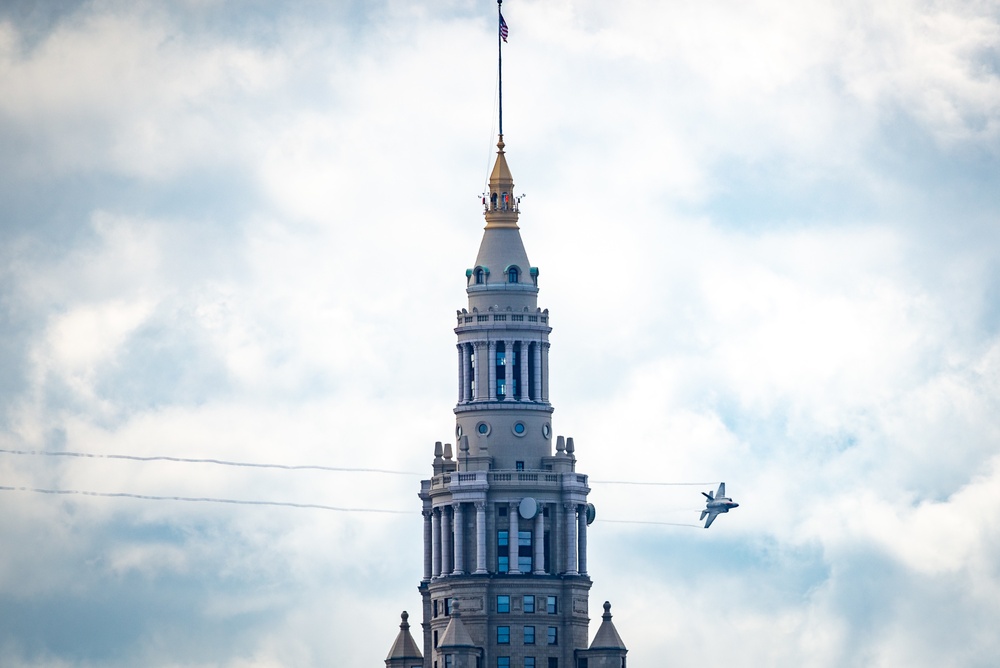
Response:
column 500, row 144
column 447, row 451
column 570, row 447
column 404, row 625
column 607, row 611
column 560, row 444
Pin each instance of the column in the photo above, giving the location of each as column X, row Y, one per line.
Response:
column 508, row 367
column 470, row 370
column 435, row 543
column 461, row 373
column 545, row 371
column 492, row 363
column 540, row 542
column 428, row 545
column 445, row 541
column 477, row 372
column 536, row 382
column 480, row 537
column 512, row 544
column 583, row 540
column 571, row 552
column 459, row 539
column 525, row 384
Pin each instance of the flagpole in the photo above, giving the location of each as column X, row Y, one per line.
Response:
column 500, row 64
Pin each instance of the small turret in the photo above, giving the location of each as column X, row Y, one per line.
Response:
column 404, row 652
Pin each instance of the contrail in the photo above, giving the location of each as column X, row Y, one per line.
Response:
column 633, row 482
column 220, row 462
column 242, row 502
column 671, row 524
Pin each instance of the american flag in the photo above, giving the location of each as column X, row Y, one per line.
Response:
column 503, row 28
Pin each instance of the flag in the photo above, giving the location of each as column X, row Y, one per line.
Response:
column 503, row 28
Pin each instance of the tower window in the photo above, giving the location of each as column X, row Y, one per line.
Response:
column 503, row 603
column 503, row 635
column 503, row 662
column 553, row 635
column 551, row 605
column 479, row 276
column 519, row 465
column 512, row 274
column 503, row 552
column 493, row 201
column 529, row 635
column 529, row 603
column 529, row 662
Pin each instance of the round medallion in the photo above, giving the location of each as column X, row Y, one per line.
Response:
column 528, row 508
column 458, row 431
column 546, row 430
column 483, row 428
column 519, row 429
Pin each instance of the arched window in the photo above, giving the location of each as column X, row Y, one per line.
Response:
column 512, row 275
column 479, row 275
column 493, row 201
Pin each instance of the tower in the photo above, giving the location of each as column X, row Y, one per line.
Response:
column 505, row 514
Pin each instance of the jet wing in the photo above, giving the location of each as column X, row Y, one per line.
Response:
column 722, row 490
column 711, row 518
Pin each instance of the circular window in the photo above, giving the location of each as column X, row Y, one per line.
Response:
column 458, row 430
column 546, row 430
column 518, row 428
column 483, row 428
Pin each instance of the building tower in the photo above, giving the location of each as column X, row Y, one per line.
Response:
column 505, row 582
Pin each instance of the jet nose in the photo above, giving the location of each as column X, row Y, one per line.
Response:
column 736, row 505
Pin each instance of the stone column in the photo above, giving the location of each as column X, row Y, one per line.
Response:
column 536, row 382
column 480, row 537
column 435, row 543
column 583, row 540
column 461, row 373
column 428, row 545
column 477, row 372
column 508, row 367
column 545, row 371
column 492, row 363
column 571, row 551
column 512, row 539
column 459, row 539
column 525, row 383
column 540, row 542
column 445, row 541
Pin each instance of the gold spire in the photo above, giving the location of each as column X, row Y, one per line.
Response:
column 501, row 205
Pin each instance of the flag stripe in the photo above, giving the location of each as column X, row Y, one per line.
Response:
column 503, row 28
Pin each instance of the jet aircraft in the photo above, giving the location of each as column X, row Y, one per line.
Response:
column 719, row 503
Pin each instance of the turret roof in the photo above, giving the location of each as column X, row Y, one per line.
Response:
column 607, row 636
column 404, row 647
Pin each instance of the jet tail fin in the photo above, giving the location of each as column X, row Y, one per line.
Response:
column 703, row 513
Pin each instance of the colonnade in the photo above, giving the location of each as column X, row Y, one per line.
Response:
column 444, row 539
column 473, row 356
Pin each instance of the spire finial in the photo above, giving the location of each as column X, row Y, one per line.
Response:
column 405, row 625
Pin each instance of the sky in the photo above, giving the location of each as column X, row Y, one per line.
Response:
column 768, row 235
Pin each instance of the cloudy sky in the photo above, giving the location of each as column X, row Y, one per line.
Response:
column 768, row 235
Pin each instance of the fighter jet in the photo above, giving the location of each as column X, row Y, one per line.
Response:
column 719, row 503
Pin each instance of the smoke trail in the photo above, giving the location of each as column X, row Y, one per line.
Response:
column 220, row 462
column 634, row 482
column 241, row 502
column 671, row 524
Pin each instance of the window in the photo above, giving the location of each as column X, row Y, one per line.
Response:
column 503, row 635
column 503, row 662
column 529, row 635
column 512, row 275
column 582, row 663
column 503, row 603
column 524, row 551
column 435, row 608
column 501, row 387
column 551, row 605
column 529, row 603
column 519, row 465
column 503, row 552
column 529, row 662
column 553, row 635
column 449, row 660
column 553, row 662
column 479, row 276
column 435, row 638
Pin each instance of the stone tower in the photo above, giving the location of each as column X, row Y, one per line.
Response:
column 505, row 582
